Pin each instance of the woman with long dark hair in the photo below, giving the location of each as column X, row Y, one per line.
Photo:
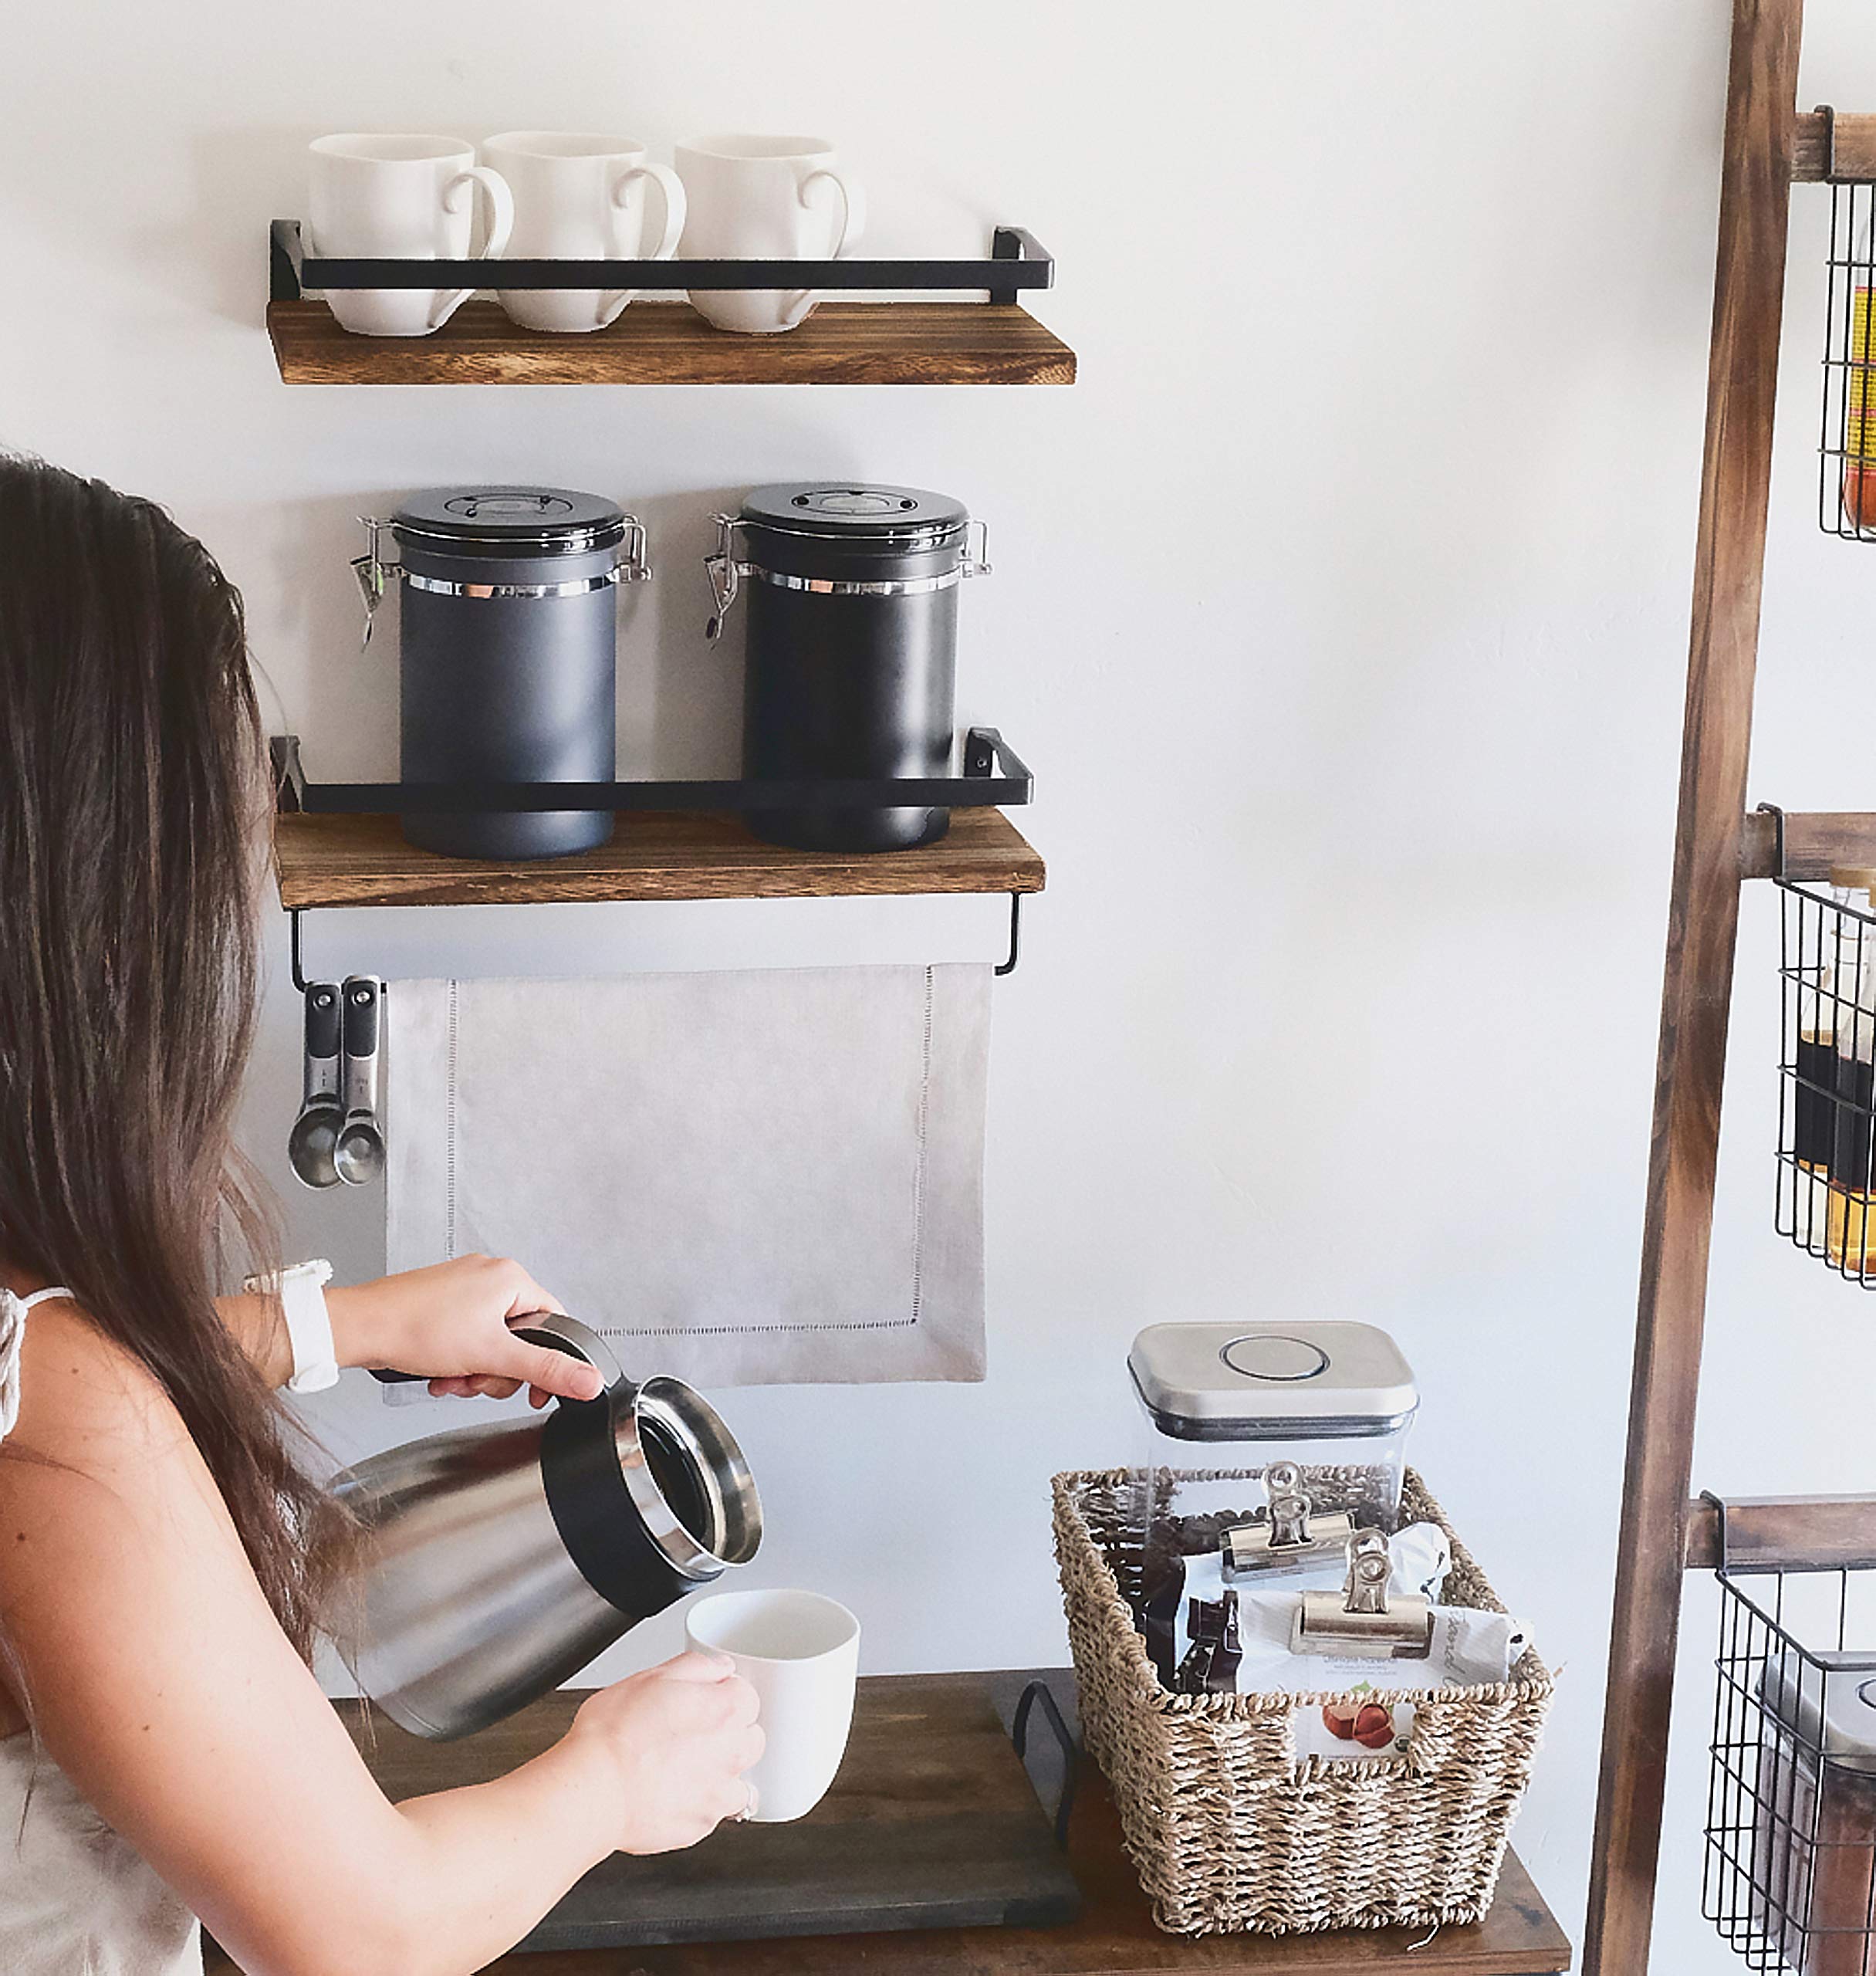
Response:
column 166, row 1752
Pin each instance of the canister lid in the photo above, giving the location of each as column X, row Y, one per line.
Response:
column 1269, row 1382
column 855, row 511
column 515, row 520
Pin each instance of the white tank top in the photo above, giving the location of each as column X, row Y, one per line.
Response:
column 75, row 1898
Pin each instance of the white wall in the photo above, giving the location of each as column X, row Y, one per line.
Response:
column 1341, row 608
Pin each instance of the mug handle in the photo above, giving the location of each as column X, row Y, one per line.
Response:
column 672, row 188
column 501, row 225
column 852, row 225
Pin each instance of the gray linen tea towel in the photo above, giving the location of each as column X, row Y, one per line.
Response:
column 740, row 1178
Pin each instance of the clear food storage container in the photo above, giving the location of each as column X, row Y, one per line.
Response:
column 1224, row 1404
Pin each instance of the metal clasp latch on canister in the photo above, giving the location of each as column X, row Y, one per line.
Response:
column 375, row 575
column 727, row 572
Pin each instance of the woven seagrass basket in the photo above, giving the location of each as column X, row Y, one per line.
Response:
column 1229, row 1830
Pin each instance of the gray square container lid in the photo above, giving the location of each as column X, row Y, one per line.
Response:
column 1272, row 1382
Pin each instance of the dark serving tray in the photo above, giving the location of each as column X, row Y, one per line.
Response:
column 933, row 1822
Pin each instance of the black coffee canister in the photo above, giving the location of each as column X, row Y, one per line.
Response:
column 852, row 596
column 509, row 625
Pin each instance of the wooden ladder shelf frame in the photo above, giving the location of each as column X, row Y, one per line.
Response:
column 1768, row 147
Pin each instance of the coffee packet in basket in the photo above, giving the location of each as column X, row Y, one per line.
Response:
column 1184, row 1605
column 1470, row 1648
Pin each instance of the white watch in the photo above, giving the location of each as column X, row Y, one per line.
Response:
column 302, row 1292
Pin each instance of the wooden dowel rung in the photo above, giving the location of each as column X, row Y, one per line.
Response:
column 1814, row 840
column 1774, row 1533
column 1856, row 147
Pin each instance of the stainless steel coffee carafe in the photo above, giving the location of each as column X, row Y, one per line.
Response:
column 498, row 1561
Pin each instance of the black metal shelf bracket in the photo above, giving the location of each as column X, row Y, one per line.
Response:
column 1827, row 114
column 1008, row 966
column 1002, row 970
column 1778, row 838
column 1018, row 261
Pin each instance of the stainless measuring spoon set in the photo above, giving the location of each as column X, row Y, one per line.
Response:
column 336, row 1137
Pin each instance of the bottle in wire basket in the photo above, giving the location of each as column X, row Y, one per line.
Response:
column 1813, row 1092
column 1859, row 389
column 1852, row 1230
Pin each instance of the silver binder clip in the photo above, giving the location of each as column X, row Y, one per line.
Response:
column 1358, row 1620
column 1290, row 1536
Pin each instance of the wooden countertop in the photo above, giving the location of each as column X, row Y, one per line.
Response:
column 1114, row 1936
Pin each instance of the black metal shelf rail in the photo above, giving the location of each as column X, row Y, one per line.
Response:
column 994, row 775
column 1018, row 261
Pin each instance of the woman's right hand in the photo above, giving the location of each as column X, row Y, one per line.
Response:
column 677, row 1739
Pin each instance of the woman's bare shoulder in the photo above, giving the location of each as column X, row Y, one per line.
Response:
column 87, row 1402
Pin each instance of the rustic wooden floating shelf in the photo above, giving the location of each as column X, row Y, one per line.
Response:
column 844, row 342
column 668, row 342
column 352, row 860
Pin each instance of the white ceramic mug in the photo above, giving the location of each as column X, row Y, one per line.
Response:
column 404, row 198
column 801, row 1654
column 765, row 198
column 580, row 197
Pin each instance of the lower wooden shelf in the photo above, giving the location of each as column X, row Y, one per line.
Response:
column 1114, row 1935
column 344, row 860
column 668, row 342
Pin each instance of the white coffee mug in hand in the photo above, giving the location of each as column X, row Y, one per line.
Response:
column 801, row 1654
column 579, row 197
column 765, row 198
column 403, row 198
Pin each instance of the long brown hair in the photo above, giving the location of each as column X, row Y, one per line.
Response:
column 131, row 794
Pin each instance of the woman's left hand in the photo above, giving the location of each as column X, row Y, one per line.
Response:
column 449, row 1324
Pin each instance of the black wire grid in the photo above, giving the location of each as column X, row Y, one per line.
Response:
column 1847, row 492
column 1826, row 1082
column 1791, row 1878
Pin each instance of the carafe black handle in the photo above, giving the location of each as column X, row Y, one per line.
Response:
column 559, row 1334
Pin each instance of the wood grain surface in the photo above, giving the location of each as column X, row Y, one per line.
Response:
column 668, row 342
column 1775, row 1533
column 1856, row 147
column 654, row 854
column 1814, row 840
column 1702, row 926
column 1114, row 1935
column 931, row 1822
